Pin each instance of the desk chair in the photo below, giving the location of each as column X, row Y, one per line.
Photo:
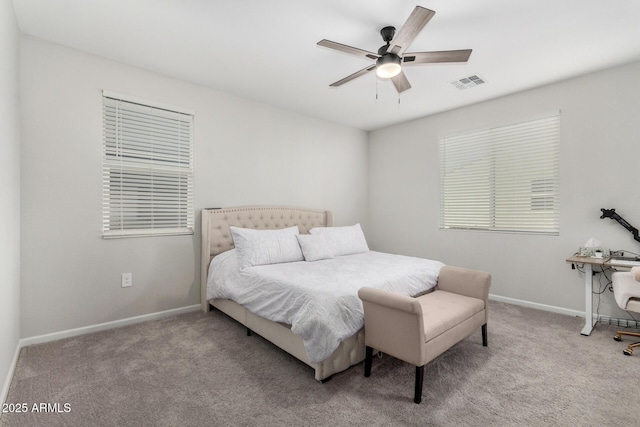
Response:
column 626, row 291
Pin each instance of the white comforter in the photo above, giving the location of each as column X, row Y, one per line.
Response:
column 318, row 299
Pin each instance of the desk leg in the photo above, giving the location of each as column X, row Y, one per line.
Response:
column 588, row 302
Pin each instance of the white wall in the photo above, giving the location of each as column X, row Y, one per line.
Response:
column 245, row 153
column 600, row 148
column 250, row 153
column 10, row 192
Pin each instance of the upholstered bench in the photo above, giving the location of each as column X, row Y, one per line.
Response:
column 417, row 330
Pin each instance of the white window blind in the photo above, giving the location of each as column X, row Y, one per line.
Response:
column 502, row 179
column 147, row 172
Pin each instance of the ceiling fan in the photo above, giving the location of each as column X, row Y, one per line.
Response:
column 392, row 56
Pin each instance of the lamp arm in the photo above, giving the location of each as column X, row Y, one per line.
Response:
column 611, row 213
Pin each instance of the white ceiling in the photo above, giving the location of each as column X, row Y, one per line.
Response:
column 266, row 50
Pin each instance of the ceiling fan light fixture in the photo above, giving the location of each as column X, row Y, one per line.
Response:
column 388, row 66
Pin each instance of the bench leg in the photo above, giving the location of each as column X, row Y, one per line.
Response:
column 368, row 358
column 484, row 335
column 417, row 397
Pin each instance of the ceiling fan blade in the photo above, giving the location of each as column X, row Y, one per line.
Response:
column 354, row 75
column 434, row 57
column 409, row 31
column 400, row 82
column 348, row 49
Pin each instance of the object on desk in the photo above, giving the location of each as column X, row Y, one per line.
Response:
column 584, row 251
column 593, row 248
column 611, row 213
column 626, row 291
column 590, row 247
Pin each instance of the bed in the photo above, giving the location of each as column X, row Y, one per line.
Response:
column 217, row 241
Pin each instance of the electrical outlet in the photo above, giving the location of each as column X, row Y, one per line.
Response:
column 127, row 280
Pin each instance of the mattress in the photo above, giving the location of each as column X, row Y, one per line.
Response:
column 318, row 299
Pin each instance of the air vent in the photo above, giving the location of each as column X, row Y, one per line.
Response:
column 468, row 82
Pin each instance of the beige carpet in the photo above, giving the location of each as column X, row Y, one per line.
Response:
column 201, row 369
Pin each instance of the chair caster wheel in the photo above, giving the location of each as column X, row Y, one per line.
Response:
column 627, row 351
column 617, row 338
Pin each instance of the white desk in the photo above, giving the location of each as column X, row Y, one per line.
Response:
column 588, row 263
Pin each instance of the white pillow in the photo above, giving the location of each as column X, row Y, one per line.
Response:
column 344, row 240
column 314, row 247
column 261, row 247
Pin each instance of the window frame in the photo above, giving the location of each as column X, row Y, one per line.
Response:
column 489, row 176
column 147, row 168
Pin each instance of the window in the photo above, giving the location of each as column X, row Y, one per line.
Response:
column 147, row 169
column 502, row 179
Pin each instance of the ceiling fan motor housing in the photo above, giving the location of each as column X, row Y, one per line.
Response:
column 387, row 33
column 388, row 65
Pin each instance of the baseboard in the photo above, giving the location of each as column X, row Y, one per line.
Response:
column 7, row 381
column 537, row 306
column 39, row 339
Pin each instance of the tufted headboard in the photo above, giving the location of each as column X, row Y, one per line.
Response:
column 216, row 236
